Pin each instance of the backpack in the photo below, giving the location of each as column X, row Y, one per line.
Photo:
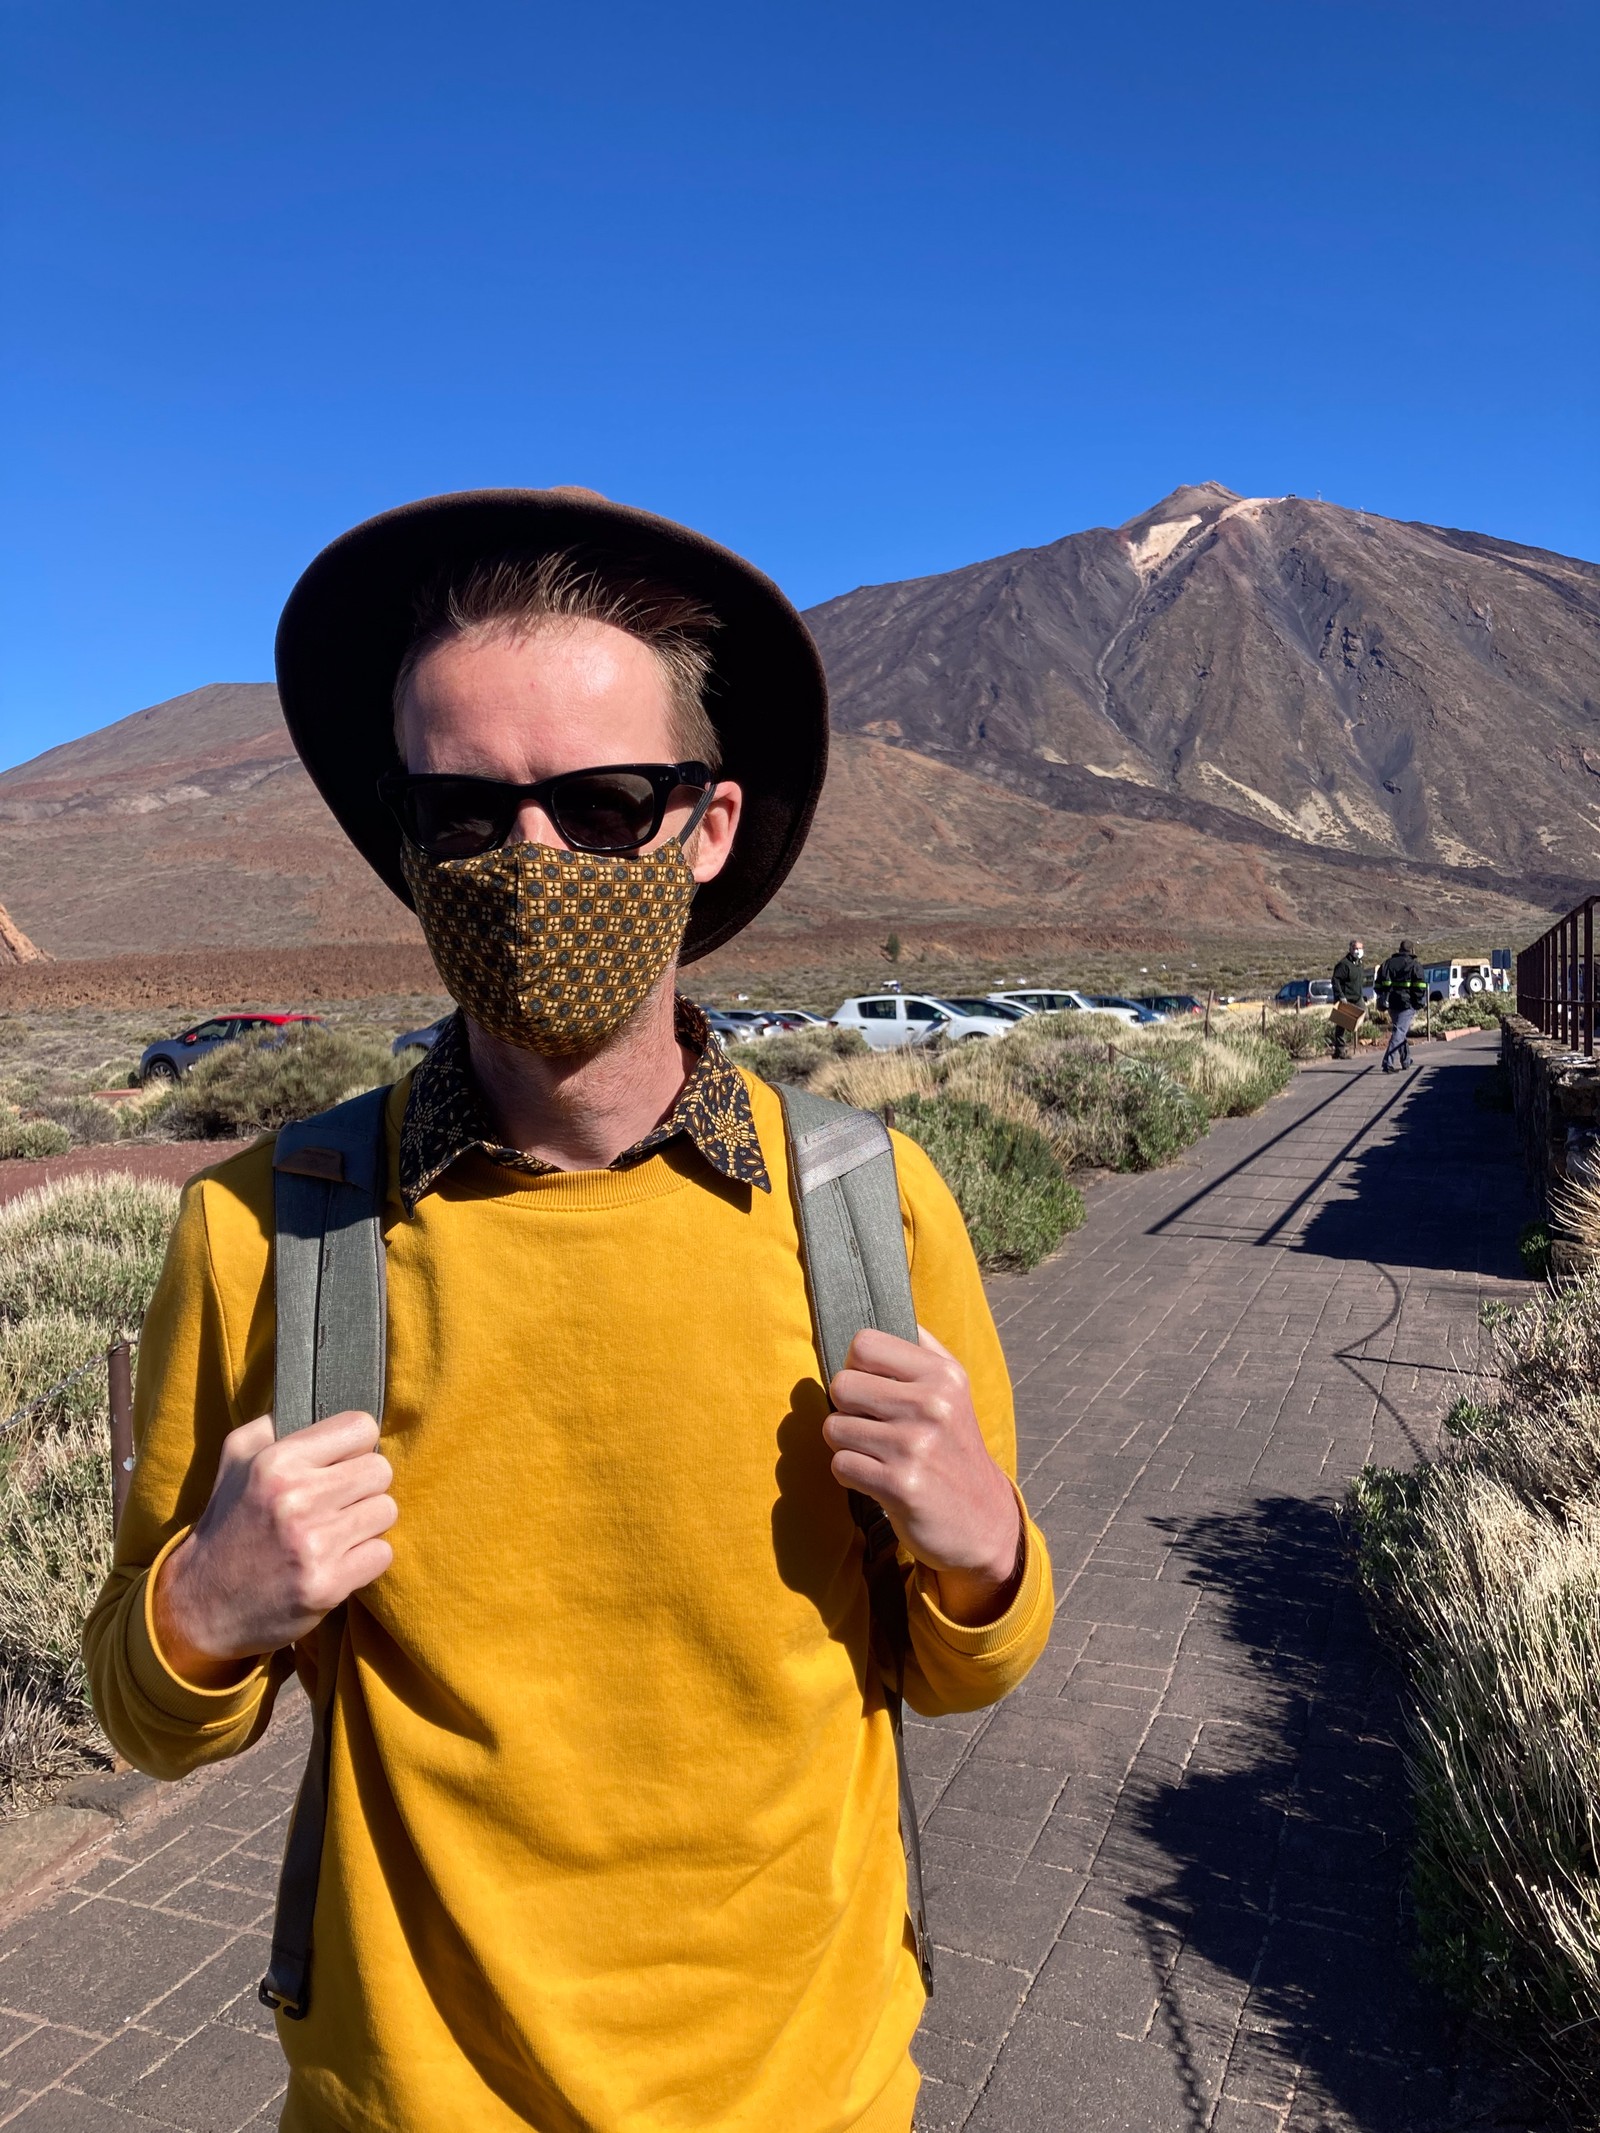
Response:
column 330, row 1176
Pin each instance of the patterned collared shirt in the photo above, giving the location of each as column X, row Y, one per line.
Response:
column 445, row 1118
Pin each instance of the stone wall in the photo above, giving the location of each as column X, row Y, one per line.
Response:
column 1556, row 1096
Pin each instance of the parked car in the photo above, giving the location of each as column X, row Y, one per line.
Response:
column 170, row 1058
column 420, row 1040
column 796, row 1018
column 1108, row 1003
column 725, row 1027
column 1170, row 1003
column 971, row 1005
column 1040, row 1000
column 1304, row 992
column 889, row 1020
column 750, row 1022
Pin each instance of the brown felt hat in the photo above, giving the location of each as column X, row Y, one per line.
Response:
column 348, row 622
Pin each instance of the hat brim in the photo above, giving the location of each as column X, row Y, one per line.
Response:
column 348, row 621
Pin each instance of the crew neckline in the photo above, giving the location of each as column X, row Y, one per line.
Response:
column 484, row 1181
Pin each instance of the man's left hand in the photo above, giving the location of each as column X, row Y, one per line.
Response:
column 904, row 1432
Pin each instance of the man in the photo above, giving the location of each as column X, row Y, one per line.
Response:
column 1349, row 990
column 611, row 1834
column 1402, row 990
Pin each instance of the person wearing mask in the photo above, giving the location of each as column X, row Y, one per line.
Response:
column 607, row 1822
column 1402, row 992
column 1349, row 990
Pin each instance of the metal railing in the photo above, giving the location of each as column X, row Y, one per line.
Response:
column 1555, row 980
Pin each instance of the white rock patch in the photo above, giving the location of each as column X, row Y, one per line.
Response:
column 1151, row 550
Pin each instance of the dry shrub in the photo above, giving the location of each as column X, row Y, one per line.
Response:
column 89, row 1122
column 1576, row 1207
column 1485, row 1568
column 26, row 1139
column 1303, row 1035
column 90, row 1247
column 257, row 1084
column 1094, row 1092
column 1013, row 1196
column 1483, row 1010
column 78, row 1261
column 877, row 1078
column 55, row 1550
column 1233, row 1072
column 1106, row 1096
column 988, row 1141
column 795, row 1055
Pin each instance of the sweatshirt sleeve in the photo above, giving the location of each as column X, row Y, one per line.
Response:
column 184, row 1405
column 954, row 1667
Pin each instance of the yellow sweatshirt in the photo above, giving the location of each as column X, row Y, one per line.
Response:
column 612, row 1841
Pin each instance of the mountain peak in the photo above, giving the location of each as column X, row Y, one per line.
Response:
column 1204, row 499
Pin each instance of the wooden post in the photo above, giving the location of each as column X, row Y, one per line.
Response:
column 1210, row 996
column 119, row 1372
column 1111, row 1055
column 1263, row 1018
column 888, row 1114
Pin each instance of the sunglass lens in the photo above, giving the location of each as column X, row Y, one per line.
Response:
column 614, row 811
column 457, row 819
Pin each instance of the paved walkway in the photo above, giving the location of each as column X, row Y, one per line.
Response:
column 1167, row 1877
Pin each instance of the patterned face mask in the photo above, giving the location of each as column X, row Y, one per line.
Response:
column 548, row 949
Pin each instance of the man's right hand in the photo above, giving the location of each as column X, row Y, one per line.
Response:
column 294, row 1526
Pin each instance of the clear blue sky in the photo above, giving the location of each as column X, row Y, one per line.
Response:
column 865, row 290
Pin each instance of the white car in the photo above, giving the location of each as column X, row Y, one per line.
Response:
column 890, row 1020
column 1042, row 1001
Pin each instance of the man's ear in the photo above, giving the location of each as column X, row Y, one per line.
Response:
column 708, row 848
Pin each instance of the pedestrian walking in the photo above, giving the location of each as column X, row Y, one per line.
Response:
column 608, row 1440
column 1403, row 991
column 1349, row 990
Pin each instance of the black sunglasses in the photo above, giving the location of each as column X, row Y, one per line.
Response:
column 616, row 808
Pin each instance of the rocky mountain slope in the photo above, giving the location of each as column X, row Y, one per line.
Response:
column 1233, row 715
column 1266, row 668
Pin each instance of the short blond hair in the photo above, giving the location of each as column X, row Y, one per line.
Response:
column 520, row 595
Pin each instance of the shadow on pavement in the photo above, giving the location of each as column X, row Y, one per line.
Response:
column 1411, row 1170
column 1415, row 1193
column 1286, row 1839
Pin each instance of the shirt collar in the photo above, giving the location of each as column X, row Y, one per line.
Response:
column 445, row 1118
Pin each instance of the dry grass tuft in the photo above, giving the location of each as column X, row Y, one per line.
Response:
column 1485, row 1568
column 78, row 1261
column 1576, row 1207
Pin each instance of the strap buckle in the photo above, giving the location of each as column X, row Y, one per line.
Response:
column 292, row 2006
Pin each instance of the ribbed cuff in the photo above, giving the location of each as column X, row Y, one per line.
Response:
column 987, row 1640
column 157, row 1680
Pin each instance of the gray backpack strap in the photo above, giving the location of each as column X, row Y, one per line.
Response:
column 847, row 1200
column 329, row 1176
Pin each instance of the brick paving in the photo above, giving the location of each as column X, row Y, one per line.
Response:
column 1167, row 1878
